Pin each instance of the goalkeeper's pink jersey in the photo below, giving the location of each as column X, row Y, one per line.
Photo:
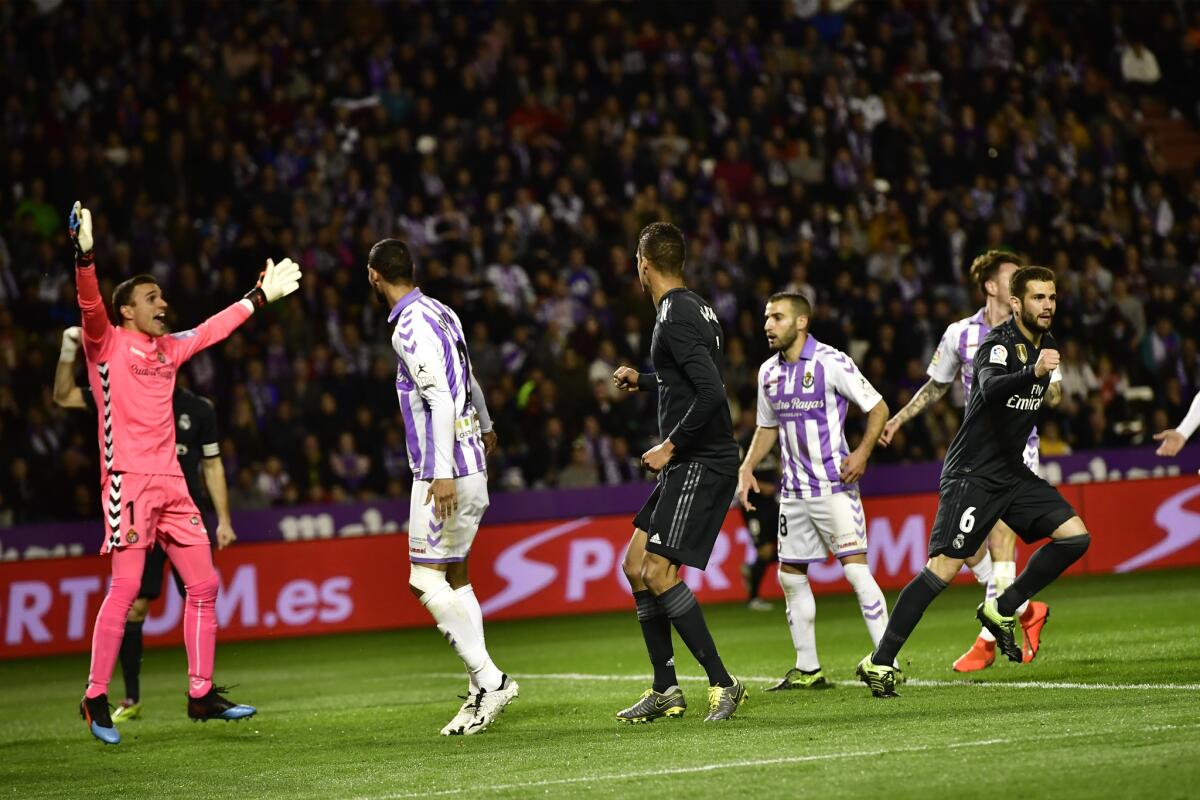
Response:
column 132, row 377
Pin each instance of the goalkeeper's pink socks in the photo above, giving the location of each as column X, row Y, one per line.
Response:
column 194, row 564
column 110, row 622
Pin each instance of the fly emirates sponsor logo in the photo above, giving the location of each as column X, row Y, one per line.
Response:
column 1032, row 403
column 34, row 609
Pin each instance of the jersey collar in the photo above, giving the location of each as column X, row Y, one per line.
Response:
column 404, row 302
column 806, row 353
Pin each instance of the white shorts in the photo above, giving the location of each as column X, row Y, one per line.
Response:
column 809, row 530
column 432, row 541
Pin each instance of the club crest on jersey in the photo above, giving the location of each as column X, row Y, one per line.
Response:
column 1022, row 353
column 132, row 536
column 808, row 380
column 195, row 520
column 999, row 355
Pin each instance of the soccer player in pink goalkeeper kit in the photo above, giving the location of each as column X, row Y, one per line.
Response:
column 131, row 371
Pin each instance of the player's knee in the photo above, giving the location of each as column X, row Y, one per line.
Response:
column 205, row 590
column 139, row 610
column 632, row 567
column 1077, row 544
column 859, row 576
column 424, row 581
column 654, row 575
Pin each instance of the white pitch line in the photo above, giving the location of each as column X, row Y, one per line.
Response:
column 1115, row 687
column 765, row 762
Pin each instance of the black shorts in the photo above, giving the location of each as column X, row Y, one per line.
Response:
column 967, row 512
column 763, row 521
column 156, row 562
column 685, row 512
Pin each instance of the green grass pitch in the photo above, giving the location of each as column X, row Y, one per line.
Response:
column 1108, row 709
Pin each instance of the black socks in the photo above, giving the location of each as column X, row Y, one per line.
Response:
column 1050, row 561
column 681, row 606
column 131, row 659
column 907, row 612
column 656, row 630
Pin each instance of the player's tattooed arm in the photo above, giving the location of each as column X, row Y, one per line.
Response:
column 926, row 396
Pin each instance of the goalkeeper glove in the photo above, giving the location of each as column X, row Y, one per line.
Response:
column 276, row 281
column 79, row 223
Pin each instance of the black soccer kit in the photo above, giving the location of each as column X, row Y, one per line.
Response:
column 984, row 478
column 684, row 513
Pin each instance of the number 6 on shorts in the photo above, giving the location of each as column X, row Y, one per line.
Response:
column 967, row 522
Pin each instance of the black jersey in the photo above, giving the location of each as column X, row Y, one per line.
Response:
column 1002, row 411
column 687, row 352
column 195, row 438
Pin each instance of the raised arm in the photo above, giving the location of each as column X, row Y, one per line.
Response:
column 276, row 281
column 66, row 393
column 97, row 330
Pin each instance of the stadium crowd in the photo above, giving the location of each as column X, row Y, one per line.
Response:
column 861, row 153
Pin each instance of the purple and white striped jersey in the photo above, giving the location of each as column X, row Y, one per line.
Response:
column 433, row 382
column 807, row 400
column 956, row 352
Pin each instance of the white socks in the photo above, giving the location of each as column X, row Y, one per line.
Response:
column 985, row 573
column 470, row 603
column 1005, row 573
column 801, row 617
column 870, row 599
column 454, row 619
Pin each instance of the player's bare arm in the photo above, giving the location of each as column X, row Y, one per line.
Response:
column 1174, row 439
column 762, row 443
column 626, row 379
column 657, row 457
column 854, row 466
column 927, row 395
column 218, row 490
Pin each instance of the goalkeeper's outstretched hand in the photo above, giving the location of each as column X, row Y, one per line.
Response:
column 276, row 281
column 79, row 223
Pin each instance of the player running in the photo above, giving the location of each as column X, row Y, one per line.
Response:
column 984, row 479
column 131, row 370
column 803, row 394
column 995, row 567
column 696, row 465
column 449, row 436
column 195, row 434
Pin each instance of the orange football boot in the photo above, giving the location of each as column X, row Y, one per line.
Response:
column 981, row 656
column 1032, row 622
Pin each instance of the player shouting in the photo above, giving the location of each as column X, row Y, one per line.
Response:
column 984, row 479
column 131, row 370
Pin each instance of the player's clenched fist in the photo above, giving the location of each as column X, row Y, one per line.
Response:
column 1047, row 362
column 626, row 379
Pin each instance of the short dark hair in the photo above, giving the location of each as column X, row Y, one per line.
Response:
column 1024, row 275
column 799, row 302
column 393, row 261
column 124, row 292
column 661, row 243
column 985, row 267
